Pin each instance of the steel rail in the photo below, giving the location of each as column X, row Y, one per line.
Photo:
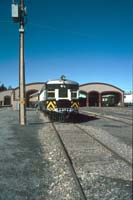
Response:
column 100, row 115
column 105, row 146
column 70, row 164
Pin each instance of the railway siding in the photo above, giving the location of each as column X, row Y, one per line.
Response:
column 107, row 139
column 108, row 116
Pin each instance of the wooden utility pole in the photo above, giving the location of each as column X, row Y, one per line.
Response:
column 18, row 14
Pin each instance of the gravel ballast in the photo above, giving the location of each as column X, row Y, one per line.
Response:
column 63, row 186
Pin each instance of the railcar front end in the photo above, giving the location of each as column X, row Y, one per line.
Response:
column 60, row 99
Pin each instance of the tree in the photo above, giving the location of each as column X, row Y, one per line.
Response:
column 9, row 87
column 2, row 87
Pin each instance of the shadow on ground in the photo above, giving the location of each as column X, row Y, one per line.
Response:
column 81, row 118
column 76, row 118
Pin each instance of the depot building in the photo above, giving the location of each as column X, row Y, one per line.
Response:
column 90, row 94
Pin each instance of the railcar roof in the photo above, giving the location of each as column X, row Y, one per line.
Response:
column 59, row 81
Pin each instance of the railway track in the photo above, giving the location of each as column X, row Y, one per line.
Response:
column 70, row 164
column 118, row 155
column 84, row 153
column 125, row 117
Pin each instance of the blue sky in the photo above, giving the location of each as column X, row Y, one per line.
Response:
column 86, row 40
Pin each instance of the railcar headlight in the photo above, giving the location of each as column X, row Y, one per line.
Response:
column 63, row 86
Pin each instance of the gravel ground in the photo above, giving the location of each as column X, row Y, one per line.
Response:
column 32, row 166
column 24, row 173
column 102, row 174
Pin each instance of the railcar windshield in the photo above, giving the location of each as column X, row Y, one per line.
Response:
column 63, row 93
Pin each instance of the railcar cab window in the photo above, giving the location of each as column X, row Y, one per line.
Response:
column 51, row 94
column 63, row 91
column 73, row 94
column 50, row 91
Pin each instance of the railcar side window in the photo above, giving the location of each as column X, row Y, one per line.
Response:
column 63, row 93
column 51, row 93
